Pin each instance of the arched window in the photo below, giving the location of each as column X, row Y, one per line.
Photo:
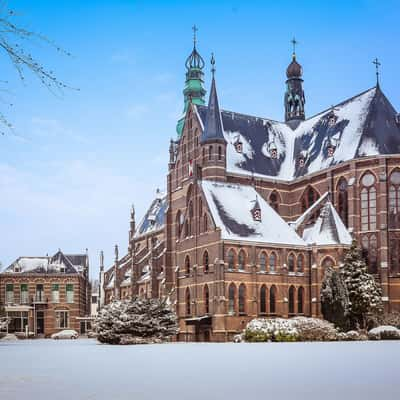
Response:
column 272, row 262
column 231, row 260
column 206, row 300
column 210, row 152
column 263, row 261
column 190, row 218
column 200, row 211
column 187, row 301
column 272, row 300
column 187, row 228
column 219, row 153
column 300, row 300
column 187, row 265
column 394, row 200
column 205, row 223
column 178, row 224
column 263, row 299
column 368, row 202
column 328, row 262
column 291, row 299
column 342, row 201
column 242, row 298
column 231, row 299
column 394, row 249
column 205, row 262
column 300, row 263
column 310, row 196
column 177, row 174
column 369, row 252
column 242, row 260
column 291, row 262
column 274, row 201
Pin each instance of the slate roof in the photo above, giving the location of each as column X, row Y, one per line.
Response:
column 328, row 229
column 71, row 264
column 230, row 206
column 154, row 218
column 363, row 125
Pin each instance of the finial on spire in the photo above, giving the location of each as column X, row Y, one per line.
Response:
column 212, row 64
column 377, row 65
column 195, row 29
column 294, row 43
column 101, row 260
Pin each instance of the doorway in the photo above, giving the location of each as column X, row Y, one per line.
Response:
column 39, row 322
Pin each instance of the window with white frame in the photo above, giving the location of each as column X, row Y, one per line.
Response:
column 62, row 319
column 70, row 292
column 55, row 293
column 9, row 293
column 24, row 293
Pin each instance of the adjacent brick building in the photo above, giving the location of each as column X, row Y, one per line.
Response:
column 44, row 295
column 256, row 210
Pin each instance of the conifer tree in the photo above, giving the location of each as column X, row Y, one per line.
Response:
column 364, row 293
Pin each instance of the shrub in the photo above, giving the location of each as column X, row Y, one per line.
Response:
column 384, row 332
column 313, row 329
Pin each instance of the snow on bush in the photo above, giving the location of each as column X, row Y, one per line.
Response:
column 351, row 336
column 136, row 321
column 4, row 323
column 384, row 332
column 289, row 330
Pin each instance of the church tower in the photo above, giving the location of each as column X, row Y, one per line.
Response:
column 194, row 91
column 294, row 96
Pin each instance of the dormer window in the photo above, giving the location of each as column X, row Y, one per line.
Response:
column 273, row 151
column 238, row 146
column 17, row 268
column 331, row 150
column 302, row 161
column 332, row 118
column 256, row 211
column 62, row 269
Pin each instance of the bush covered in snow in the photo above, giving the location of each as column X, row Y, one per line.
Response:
column 352, row 336
column 4, row 323
column 392, row 319
column 136, row 321
column 384, row 332
column 289, row 330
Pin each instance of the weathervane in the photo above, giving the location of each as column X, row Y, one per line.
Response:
column 377, row 65
column 195, row 29
column 294, row 43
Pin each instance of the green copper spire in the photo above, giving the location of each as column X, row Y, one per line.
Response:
column 194, row 91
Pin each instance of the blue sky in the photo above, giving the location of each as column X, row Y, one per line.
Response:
column 79, row 160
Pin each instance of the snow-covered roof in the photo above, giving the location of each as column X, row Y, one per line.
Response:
column 231, row 205
column 363, row 125
column 328, row 229
column 58, row 263
column 154, row 218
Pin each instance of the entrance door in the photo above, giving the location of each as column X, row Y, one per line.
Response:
column 39, row 323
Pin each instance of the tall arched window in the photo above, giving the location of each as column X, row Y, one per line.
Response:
column 328, row 262
column 272, row 262
column 219, row 153
column 342, row 201
column 291, row 262
column 300, row 300
column 394, row 249
column 231, row 260
column 190, row 218
column 368, row 202
column 242, row 298
column 231, row 299
column 369, row 251
column 206, row 300
column 177, row 174
column 178, row 224
column 300, row 263
column 187, row 265
column 205, row 223
column 274, row 201
column 394, row 200
column 272, row 300
column 241, row 260
column 291, row 299
column 263, row 261
column 205, row 262
column 263, row 299
column 200, row 210
column 310, row 196
column 210, row 152
column 187, row 301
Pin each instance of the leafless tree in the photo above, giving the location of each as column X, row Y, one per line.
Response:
column 15, row 42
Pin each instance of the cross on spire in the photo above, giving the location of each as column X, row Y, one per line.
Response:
column 377, row 65
column 294, row 43
column 195, row 29
column 212, row 64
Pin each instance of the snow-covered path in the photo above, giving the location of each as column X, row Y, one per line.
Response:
column 83, row 369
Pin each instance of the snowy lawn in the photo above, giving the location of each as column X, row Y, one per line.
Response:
column 83, row 369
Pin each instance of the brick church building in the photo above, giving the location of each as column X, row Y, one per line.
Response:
column 256, row 209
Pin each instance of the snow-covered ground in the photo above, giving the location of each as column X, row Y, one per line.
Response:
column 83, row 369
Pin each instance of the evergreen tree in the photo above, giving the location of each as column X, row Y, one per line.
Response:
column 136, row 321
column 335, row 302
column 364, row 293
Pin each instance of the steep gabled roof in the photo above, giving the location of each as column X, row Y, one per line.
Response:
column 363, row 125
column 231, row 205
column 328, row 229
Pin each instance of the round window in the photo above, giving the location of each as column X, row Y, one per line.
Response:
column 368, row 180
column 395, row 178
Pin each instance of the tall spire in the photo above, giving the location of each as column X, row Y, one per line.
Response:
column 194, row 91
column 294, row 96
column 213, row 127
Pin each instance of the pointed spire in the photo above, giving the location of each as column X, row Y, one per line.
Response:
column 101, row 260
column 116, row 253
column 213, row 130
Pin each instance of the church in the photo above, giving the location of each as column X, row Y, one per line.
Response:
column 255, row 209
